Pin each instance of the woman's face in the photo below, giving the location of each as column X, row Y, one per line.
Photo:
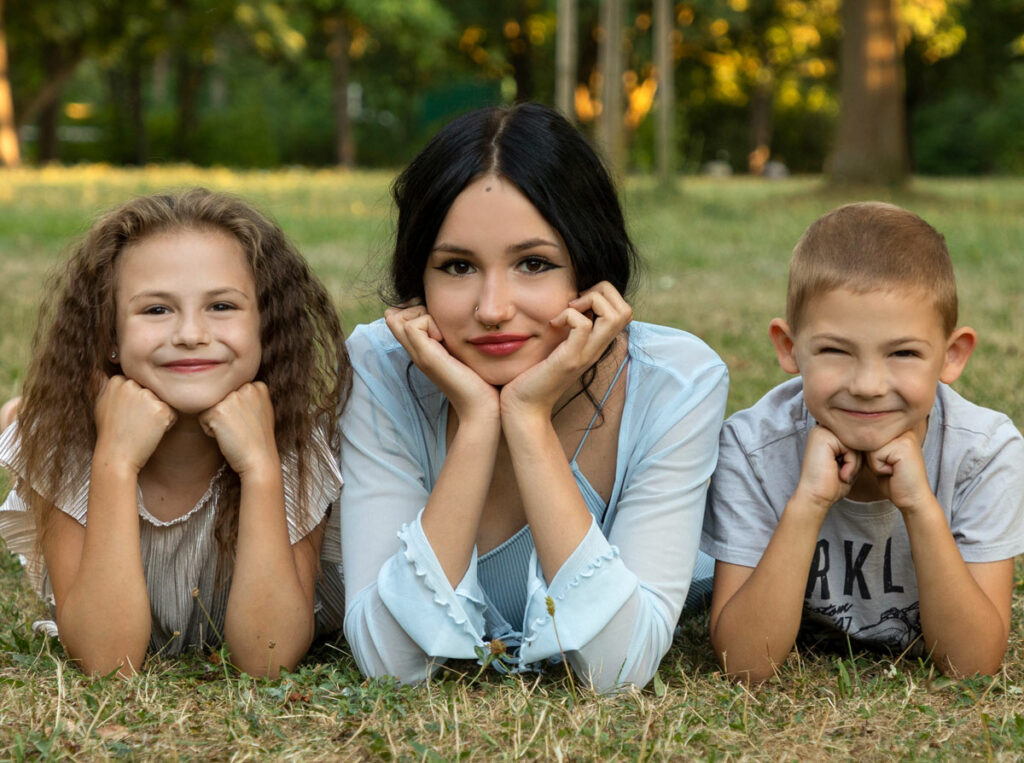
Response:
column 497, row 275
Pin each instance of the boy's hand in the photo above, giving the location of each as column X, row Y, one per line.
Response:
column 829, row 469
column 899, row 468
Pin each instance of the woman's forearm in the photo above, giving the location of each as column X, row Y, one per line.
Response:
column 451, row 519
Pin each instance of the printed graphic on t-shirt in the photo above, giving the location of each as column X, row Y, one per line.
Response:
column 871, row 596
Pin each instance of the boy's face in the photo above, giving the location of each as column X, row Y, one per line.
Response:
column 871, row 362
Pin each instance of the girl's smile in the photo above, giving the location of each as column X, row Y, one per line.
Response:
column 496, row 277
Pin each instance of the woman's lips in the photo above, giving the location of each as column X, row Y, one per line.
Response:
column 499, row 344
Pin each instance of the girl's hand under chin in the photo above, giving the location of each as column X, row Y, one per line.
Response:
column 130, row 422
column 539, row 388
column 416, row 331
column 243, row 426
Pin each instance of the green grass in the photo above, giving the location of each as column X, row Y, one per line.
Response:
column 717, row 253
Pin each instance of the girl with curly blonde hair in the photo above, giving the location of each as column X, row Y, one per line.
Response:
column 172, row 456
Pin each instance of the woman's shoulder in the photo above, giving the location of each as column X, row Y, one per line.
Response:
column 372, row 341
column 663, row 348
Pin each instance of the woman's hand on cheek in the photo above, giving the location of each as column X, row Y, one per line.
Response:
column 130, row 421
column 417, row 332
column 593, row 319
column 243, row 426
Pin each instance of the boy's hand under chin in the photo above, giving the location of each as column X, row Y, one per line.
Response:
column 829, row 469
column 898, row 467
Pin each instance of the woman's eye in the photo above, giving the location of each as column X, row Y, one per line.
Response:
column 535, row 265
column 456, row 268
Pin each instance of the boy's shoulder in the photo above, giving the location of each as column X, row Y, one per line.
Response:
column 969, row 438
column 777, row 417
column 957, row 414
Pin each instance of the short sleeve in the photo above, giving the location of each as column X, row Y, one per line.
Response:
column 306, row 510
column 987, row 516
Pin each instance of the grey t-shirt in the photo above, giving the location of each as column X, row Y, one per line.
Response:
column 862, row 580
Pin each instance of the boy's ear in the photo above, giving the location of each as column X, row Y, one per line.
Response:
column 782, row 339
column 958, row 350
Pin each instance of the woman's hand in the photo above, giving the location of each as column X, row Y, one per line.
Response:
column 243, row 426
column 130, row 422
column 416, row 331
column 539, row 388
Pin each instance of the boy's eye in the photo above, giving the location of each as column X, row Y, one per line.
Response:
column 831, row 351
column 535, row 265
column 456, row 267
column 906, row 354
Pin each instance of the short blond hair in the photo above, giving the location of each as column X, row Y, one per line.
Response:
column 870, row 246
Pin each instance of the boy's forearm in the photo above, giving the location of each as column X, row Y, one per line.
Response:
column 962, row 627
column 758, row 625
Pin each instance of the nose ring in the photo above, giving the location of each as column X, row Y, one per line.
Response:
column 488, row 326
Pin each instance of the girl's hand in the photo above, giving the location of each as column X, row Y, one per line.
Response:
column 541, row 386
column 130, row 422
column 243, row 426
column 416, row 331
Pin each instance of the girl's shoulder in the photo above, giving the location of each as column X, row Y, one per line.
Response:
column 72, row 499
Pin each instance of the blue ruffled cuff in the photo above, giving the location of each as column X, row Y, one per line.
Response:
column 587, row 591
column 444, row 622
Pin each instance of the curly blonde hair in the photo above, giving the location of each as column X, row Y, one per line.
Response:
column 304, row 362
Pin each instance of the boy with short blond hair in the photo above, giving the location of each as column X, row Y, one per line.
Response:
column 866, row 497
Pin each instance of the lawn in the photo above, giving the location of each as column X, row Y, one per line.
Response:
column 716, row 253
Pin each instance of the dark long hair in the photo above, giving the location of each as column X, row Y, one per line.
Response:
column 547, row 159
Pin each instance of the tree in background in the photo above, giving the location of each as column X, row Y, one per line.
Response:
column 10, row 152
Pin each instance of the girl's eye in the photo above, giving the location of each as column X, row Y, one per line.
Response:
column 456, row 268
column 156, row 310
column 221, row 306
column 535, row 265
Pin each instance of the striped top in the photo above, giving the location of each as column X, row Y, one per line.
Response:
column 187, row 588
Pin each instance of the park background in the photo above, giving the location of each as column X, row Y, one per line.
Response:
column 731, row 124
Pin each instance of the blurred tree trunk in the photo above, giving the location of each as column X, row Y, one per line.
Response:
column 520, row 58
column 664, row 66
column 49, row 116
column 871, row 142
column 190, row 77
column 610, row 133
column 762, row 118
column 10, row 151
column 128, row 139
column 337, row 51
column 565, row 58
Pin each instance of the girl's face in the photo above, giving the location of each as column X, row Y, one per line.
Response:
column 498, row 273
column 188, row 325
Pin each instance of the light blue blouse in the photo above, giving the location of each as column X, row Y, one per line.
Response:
column 618, row 596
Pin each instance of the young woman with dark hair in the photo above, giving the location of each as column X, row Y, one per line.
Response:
column 523, row 463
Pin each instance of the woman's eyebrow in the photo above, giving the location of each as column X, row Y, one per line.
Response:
column 532, row 243
column 444, row 246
